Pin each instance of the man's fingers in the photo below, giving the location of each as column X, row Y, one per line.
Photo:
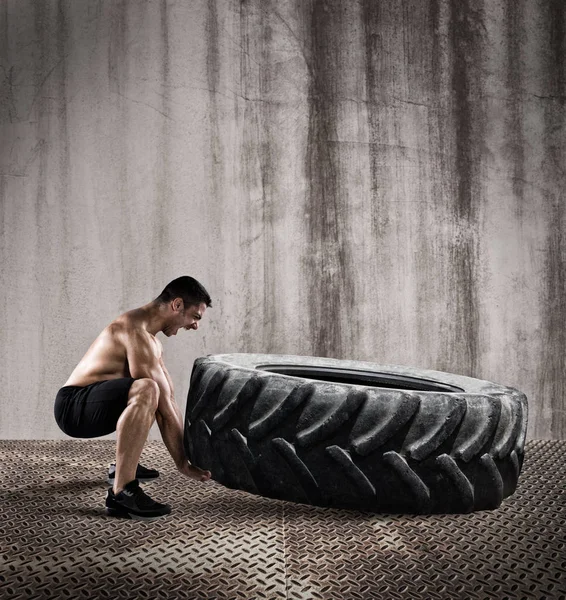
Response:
column 199, row 474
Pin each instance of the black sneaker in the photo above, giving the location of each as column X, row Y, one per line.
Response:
column 133, row 503
column 143, row 474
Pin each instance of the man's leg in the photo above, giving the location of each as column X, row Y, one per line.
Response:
column 133, row 428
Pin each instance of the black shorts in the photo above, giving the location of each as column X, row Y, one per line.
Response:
column 92, row 410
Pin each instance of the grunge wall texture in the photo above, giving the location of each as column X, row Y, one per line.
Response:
column 359, row 179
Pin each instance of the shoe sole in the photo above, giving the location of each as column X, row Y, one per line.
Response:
column 124, row 514
column 110, row 480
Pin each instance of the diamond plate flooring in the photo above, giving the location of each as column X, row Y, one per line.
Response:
column 56, row 542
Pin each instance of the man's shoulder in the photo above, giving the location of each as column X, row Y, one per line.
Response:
column 128, row 330
column 124, row 327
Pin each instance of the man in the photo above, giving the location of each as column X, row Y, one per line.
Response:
column 121, row 384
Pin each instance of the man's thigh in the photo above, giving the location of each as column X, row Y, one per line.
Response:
column 93, row 410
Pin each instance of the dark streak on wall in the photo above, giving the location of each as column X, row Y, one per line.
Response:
column 371, row 19
column 515, row 35
column 466, row 24
column 8, row 109
column 466, row 49
column 329, row 269
column 553, row 380
column 61, row 38
column 117, row 58
column 3, row 236
column 267, row 165
column 441, row 134
column 162, row 212
column 117, row 85
column 4, row 36
column 439, row 126
column 557, row 28
column 425, row 54
column 213, row 77
column 214, row 165
column 249, row 217
column 41, row 25
column 41, row 67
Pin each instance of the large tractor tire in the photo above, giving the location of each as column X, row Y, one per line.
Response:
column 353, row 434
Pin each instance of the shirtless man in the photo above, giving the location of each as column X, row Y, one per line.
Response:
column 121, row 384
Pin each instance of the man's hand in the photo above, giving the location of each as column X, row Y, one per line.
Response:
column 193, row 472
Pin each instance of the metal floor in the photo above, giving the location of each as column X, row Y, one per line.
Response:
column 56, row 542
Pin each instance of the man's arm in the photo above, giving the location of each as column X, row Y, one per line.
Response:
column 172, row 430
column 170, row 421
column 143, row 363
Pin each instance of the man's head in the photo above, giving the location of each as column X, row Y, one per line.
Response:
column 184, row 301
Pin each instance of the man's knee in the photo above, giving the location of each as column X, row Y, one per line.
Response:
column 145, row 391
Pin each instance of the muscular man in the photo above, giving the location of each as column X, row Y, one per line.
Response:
column 121, row 384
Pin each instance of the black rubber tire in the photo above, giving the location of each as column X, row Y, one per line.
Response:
column 444, row 444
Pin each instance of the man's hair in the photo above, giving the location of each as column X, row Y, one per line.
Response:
column 187, row 288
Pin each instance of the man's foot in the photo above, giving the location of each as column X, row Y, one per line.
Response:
column 143, row 474
column 133, row 503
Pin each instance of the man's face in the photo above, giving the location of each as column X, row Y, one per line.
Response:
column 184, row 317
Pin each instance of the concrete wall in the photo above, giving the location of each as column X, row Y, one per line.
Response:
column 360, row 179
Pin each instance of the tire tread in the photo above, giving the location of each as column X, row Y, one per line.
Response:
column 431, row 449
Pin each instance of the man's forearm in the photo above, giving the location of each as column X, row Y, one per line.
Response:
column 171, row 427
column 169, row 419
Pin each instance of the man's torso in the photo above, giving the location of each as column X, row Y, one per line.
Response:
column 106, row 358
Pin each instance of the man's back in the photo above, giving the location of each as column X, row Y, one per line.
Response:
column 106, row 358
